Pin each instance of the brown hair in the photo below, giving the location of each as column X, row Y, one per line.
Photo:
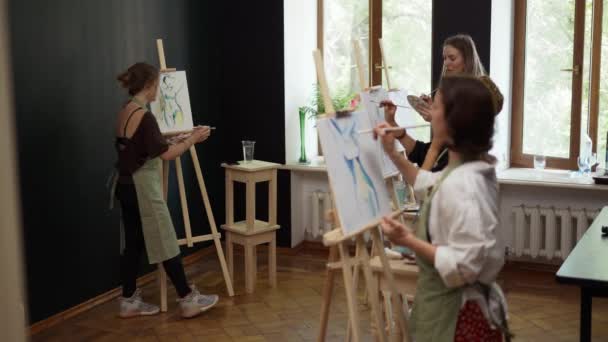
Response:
column 465, row 44
column 138, row 77
column 471, row 104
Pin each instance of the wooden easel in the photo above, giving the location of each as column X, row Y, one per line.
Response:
column 341, row 259
column 189, row 240
column 384, row 65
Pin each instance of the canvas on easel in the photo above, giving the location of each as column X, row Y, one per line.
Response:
column 355, row 170
column 348, row 155
column 172, row 106
column 371, row 100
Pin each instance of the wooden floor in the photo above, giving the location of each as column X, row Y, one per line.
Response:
column 539, row 309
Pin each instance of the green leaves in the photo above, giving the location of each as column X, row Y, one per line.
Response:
column 341, row 101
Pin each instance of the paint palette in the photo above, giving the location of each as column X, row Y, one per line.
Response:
column 414, row 101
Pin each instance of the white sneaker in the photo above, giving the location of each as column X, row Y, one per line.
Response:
column 135, row 306
column 195, row 303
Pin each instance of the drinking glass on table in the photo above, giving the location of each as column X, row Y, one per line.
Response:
column 539, row 162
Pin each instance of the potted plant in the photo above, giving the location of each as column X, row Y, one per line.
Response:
column 344, row 100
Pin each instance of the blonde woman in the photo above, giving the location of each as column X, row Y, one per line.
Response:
column 459, row 58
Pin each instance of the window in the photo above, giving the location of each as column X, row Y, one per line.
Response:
column 555, row 80
column 403, row 25
column 343, row 21
column 599, row 90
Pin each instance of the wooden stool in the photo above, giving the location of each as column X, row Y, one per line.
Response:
column 251, row 232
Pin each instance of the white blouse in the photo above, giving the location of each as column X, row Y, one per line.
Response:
column 463, row 225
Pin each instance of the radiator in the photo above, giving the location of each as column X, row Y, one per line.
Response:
column 321, row 203
column 549, row 232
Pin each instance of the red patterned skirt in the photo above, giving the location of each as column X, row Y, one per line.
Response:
column 472, row 325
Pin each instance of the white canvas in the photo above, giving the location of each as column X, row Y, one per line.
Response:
column 172, row 106
column 405, row 116
column 355, row 171
column 371, row 101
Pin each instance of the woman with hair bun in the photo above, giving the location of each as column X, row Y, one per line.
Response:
column 146, row 222
column 457, row 245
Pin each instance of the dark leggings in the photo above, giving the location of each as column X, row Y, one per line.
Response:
column 135, row 247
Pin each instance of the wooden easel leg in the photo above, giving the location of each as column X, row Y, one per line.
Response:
column 376, row 313
column 272, row 261
column 183, row 201
column 394, row 312
column 328, row 288
column 216, row 239
column 386, row 297
column 162, row 284
column 396, row 299
column 355, row 286
column 351, row 295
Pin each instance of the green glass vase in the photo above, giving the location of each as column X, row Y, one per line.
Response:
column 303, row 159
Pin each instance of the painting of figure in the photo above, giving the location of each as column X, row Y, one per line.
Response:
column 172, row 105
column 371, row 102
column 355, row 170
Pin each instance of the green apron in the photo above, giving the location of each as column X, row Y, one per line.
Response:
column 436, row 307
column 157, row 226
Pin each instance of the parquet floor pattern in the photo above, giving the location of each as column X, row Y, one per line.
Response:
column 539, row 308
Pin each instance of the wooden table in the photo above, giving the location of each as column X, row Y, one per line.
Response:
column 587, row 267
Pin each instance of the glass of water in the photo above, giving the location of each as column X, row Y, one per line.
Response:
column 248, row 150
column 540, row 162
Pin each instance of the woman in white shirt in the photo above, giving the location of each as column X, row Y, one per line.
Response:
column 456, row 242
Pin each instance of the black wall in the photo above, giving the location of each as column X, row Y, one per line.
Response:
column 66, row 54
column 253, row 96
column 471, row 17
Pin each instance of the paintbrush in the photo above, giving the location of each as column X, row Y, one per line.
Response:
column 393, row 129
column 380, row 104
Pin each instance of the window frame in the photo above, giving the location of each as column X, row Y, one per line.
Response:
column 520, row 159
column 375, row 33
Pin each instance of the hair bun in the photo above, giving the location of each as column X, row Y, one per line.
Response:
column 497, row 98
column 124, row 79
column 137, row 77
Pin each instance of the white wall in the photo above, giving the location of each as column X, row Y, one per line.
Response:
column 300, row 75
column 12, row 314
column 501, row 71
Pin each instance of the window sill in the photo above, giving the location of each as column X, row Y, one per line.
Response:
column 546, row 178
column 317, row 164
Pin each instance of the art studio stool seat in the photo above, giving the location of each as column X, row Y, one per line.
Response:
column 251, row 232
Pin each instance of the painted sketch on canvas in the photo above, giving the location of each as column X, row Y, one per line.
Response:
column 355, row 171
column 172, row 105
column 371, row 102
